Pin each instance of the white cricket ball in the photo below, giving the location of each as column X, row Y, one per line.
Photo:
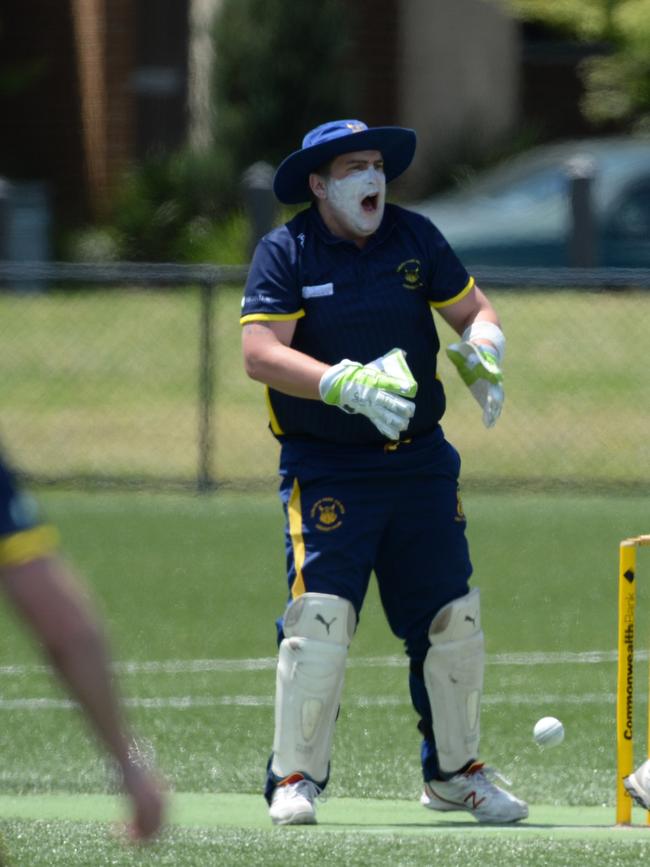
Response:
column 548, row 732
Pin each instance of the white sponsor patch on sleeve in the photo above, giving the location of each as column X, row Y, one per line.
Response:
column 318, row 291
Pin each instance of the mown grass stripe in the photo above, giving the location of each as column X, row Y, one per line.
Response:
column 367, row 815
column 264, row 663
column 189, row 702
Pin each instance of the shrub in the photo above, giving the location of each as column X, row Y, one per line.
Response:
column 167, row 204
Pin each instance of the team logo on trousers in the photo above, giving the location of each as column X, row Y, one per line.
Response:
column 411, row 274
column 328, row 514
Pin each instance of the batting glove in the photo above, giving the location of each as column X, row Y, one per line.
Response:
column 378, row 390
column 479, row 369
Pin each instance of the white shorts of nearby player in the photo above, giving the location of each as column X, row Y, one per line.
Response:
column 318, row 629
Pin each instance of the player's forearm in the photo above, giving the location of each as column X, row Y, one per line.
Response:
column 82, row 661
column 83, row 664
column 474, row 308
column 482, row 312
column 44, row 593
column 286, row 370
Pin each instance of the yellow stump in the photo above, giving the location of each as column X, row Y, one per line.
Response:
column 625, row 679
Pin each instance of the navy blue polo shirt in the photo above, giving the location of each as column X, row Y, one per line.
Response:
column 357, row 304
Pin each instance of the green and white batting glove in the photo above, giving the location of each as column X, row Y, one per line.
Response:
column 479, row 367
column 378, row 390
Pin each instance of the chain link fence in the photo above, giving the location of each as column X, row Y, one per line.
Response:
column 132, row 375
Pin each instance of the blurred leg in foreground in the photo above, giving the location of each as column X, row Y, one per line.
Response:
column 54, row 605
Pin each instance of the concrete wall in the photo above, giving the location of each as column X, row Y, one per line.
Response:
column 458, row 74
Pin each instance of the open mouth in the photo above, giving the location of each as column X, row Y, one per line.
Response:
column 369, row 203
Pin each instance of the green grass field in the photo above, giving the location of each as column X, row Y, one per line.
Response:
column 105, row 383
column 190, row 588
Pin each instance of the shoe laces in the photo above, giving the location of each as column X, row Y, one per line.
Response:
column 303, row 788
column 487, row 773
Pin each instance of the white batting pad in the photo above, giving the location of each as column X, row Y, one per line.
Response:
column 453, row 675
column 320, row 616
column 310, row 674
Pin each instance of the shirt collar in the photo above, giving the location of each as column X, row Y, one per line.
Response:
column 385, row 228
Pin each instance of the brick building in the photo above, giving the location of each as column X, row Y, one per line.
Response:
column 86, row 87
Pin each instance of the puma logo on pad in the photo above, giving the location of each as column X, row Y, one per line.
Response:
column 324, row 622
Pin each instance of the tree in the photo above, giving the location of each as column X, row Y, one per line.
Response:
column 617, row 84
column 280, row 68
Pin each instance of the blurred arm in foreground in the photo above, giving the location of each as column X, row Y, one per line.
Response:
column 55, row 607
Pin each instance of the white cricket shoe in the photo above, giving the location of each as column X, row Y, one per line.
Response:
column 292, row 802
column 638, row 785
column 474, row 792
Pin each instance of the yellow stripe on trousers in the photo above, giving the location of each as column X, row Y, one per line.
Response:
column 297, row 541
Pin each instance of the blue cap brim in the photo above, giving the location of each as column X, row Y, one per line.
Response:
column 396, row 144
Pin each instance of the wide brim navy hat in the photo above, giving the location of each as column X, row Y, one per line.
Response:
column 320, row 145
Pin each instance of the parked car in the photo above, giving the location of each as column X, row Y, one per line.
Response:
column 520, row 213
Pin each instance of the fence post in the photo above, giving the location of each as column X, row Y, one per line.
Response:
column 582, row 240
column 259, row 200
column 204, row 481
column 4, row 219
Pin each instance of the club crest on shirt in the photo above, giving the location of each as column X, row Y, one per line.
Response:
column 411, row 273
column 327, row 513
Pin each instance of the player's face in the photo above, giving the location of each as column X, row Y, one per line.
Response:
column 352, row 196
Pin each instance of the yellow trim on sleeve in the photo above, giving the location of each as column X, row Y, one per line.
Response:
column 273, row 419
column 27, row 545
column 462, row 294
column 271, row 317
column 294, row 510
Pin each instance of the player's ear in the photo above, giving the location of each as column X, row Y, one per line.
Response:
column 317, row 185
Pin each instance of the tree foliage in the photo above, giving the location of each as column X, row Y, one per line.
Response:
column 617, row 84
column 280, row 69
